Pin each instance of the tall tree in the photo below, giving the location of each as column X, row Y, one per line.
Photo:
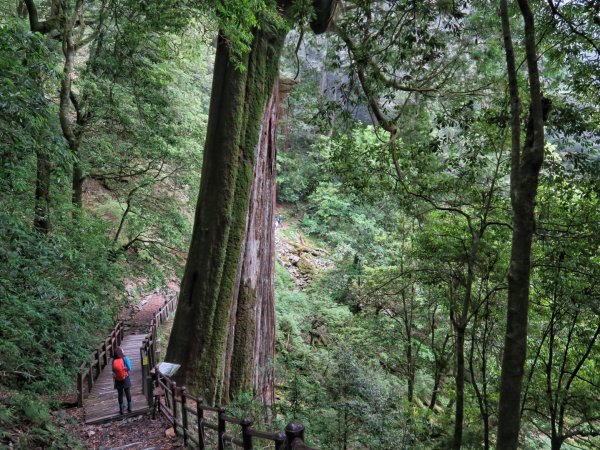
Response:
column 525, row 168
column 41, row 220
column 199, row 337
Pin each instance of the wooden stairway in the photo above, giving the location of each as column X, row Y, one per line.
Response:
column 102, row 404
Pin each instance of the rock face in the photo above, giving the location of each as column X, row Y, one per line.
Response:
column 301, row 261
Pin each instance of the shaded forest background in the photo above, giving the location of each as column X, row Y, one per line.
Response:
column 388, row 249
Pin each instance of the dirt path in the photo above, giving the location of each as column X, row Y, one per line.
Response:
column 137, row 317
column 135, row 433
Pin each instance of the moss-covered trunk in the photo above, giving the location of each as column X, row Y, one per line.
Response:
column 199, row 339
column 202, row 320
column 251, row 339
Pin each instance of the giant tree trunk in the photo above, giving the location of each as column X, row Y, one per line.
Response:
column 525, row 168
column 251, row 340
column 199, row 337
column 201, row 324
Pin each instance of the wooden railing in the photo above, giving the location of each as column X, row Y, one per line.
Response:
column 191, row 418
column 89, row 371
column 149, row 348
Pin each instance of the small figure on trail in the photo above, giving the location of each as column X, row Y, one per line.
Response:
column 121, row 367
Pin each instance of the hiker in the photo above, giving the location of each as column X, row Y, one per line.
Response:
column 121, row 367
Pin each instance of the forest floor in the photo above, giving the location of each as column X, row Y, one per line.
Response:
column 132, row 433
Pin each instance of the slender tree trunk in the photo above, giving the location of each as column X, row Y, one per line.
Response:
column 525, row 168
column 460, row 325
column 69, row 51
column 407, row 322
column 460, row 387
column 439, row 362
column 556, row 442
column 78, row 179
column 481, row 394
column 437, row 376
column 411, row 370
column 41, row 220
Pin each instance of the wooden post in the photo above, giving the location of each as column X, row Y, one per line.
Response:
column 99, row 361
column 246, row 437
column 184, row 420
column 200, row 416
column 280, row 441
column 154, row 352
column 90, row 370
column 221, row 428
column 105, row 354
column 144, row 372
column 79, row 388
column 294, row 430
column 149, row 389
column 174, row 395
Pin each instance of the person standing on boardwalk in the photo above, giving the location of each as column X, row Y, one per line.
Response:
column 121, row 367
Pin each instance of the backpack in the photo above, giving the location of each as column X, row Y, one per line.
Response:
column 119, row 369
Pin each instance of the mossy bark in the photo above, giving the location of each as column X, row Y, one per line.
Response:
column 251, row 339
column 202, row 321
column 205, row 338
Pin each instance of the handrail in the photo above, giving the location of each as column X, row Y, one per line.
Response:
column 149, row 349
column 186, row 414
column 89, row 371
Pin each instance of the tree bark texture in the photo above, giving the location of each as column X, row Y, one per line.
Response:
column 525, row 168
column 251, row 339
column 202, row 321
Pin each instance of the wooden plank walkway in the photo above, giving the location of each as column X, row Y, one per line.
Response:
column 102, row 404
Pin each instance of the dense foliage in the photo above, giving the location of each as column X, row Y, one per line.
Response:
column 394, row 167
column 138, row 110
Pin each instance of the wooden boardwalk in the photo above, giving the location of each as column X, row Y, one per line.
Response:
column 102, row 404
